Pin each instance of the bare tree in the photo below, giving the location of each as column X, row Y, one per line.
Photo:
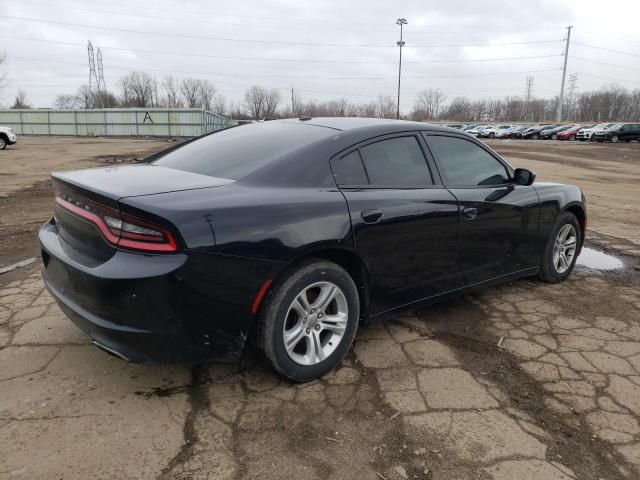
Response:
column 85, row 97
column 172, row 98
column 428, row 104
column 20, row 102
column 255, row 101
column 3, row 60
column 190, row 89
column 139, row 89
column 219, row 104
column 66, row 102
column 385, row 107
column 271, row 102
column 206, row 94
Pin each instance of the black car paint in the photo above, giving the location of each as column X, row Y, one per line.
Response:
column 236, row 237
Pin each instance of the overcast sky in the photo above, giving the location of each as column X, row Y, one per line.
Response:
column 324, row 49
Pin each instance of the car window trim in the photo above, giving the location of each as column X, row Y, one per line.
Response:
column 507, row 167
column 380, row 138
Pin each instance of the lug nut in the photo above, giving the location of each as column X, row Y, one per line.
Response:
column 319, row 315
column 305, row 320
column 317, row 327
column 308, row 331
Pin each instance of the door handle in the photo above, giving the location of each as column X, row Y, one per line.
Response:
column 469, row 213
column 371, row 216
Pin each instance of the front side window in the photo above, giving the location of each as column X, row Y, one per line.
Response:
column 463, row 163
column 397, row 162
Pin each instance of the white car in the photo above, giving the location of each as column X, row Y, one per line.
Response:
column 7, row 137
column 475, row 131
column 496, row 131
column 587, row 133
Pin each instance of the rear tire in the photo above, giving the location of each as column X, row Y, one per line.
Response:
column 572, row 138
column 554, row 137
column 492, row 135
column 560, row 254
column 535, row 136
column 318, row 334
column 614, row 139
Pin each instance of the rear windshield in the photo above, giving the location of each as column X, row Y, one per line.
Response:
column 239, row 151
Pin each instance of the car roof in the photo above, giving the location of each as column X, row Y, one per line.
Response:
column 352, row 123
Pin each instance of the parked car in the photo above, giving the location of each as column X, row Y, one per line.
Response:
column 290, row 232
column 625, row 132
column 571, row 133
column 516, row 132
column 7, row 137
column 457, row 126
column 552, row 133
column 585, row 133
column 494, row 131
column 475, row 131
column 533, row 133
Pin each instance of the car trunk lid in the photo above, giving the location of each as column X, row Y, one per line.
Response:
column 86, row 198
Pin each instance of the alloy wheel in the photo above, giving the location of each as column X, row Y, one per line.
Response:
column 564, row 248
column 315, row 324
column 2, row 143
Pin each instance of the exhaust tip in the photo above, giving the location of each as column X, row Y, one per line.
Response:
column 110, row 351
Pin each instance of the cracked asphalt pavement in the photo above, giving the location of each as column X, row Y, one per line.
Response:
column 521, row 381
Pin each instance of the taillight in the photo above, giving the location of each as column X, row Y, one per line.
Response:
column 120, row 230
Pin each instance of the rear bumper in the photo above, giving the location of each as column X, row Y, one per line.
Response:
column 182, row 308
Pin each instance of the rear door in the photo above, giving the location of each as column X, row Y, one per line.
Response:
column 498, row 219
column 405, row 223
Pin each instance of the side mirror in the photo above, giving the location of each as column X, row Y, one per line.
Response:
column 522, row 176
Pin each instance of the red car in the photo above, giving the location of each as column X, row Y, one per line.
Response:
column 571, row 133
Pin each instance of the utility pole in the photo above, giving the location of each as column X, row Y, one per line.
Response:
column 401, row 22
column 527, row 97
column 293, row 105
column 564, row 75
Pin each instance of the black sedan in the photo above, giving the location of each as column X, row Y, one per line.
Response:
column 623, row 132
column 290, row 233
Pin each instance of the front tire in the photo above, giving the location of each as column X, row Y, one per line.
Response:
column 561, row 252
column 3, row 143
column 309, row 320
column 614, row 139
column 535, row 136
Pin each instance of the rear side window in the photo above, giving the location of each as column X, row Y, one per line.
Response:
column 239, row 151
column 464, row 163
column 396, row 162
column 350, row 171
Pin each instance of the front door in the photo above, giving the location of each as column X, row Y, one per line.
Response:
column 498, row 219
column 405, row 226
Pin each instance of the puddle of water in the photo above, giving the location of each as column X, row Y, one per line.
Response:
column 591, row 258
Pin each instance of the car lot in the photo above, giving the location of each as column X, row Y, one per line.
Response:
column 426, row 395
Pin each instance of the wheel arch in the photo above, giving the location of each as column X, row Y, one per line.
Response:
column 347, row 259
column 580, row 213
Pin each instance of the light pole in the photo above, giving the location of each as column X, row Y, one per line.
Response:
column 401, row 22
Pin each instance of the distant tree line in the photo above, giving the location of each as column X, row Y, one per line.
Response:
column 139, row 89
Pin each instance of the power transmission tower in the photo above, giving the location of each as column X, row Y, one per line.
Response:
column 528, row 93
column 571, row 96
column 564, row 75
column 101, row 85
column 93, row 78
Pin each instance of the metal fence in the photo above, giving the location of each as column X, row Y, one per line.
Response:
column 117, row 122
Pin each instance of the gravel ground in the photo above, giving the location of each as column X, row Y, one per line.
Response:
column 427, row 395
